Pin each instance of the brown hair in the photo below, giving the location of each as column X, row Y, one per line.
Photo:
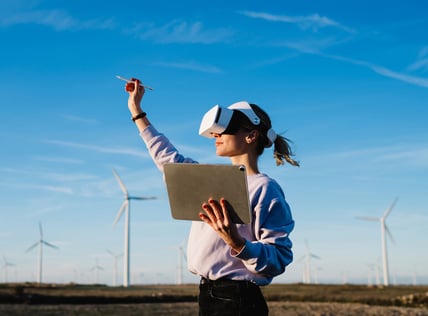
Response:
column 282, row 150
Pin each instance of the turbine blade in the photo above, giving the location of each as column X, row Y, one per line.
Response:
column 315, row 256
column 122, row 185
column 32, row 247
column 143, row 198
column 41, row 230
column 388, row 232
column 390, row 208
column 49, row 245
column 307, row 245
column 119, row 214
column 184, row 256
column 368, row 218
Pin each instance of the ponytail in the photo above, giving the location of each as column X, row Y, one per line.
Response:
column 282, row 152
column 282, row 149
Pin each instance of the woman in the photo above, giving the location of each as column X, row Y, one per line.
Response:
column 233, row 260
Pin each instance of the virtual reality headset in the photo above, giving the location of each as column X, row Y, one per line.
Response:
column 218, row 118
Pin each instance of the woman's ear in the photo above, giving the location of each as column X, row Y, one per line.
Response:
column 252, row 136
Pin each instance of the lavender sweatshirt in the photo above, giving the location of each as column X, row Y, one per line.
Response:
column 267, row 249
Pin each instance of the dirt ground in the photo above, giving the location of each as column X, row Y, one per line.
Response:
column 160, row 300
column 191, row 309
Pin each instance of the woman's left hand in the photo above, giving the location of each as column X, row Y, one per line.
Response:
column 217, row 216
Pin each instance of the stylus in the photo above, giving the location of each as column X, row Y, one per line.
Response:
column 127, row 80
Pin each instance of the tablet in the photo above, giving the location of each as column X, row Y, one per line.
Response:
column 190, row 185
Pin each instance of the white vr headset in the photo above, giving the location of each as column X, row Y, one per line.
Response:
column 217, row 119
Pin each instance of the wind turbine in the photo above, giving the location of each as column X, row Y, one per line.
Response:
column 307, row 257
column 373, row 268
column 96, row 268
column 5, row 266
column 40, row 243
column 384, row 231
column 115, row 257
column 181, row 256
column 126, row 207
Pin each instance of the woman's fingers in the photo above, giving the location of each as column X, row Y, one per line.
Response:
column 213, row 214
column 225, row 211
column 209, row 213
column 132, row 83
column 130, row 86
column 217, row 209
column 217, row 216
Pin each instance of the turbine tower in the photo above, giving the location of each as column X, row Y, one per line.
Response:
column 115, row 257
column 40, row 243
column 181, row 256
column 126, row 207
column 384, row 230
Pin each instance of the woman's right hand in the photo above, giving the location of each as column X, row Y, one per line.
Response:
column 136, row 93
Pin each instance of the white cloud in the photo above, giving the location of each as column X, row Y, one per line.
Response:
column 417, row 81
column 421, row 64
column 273, row 61
column 47, row 210
column 50, row 188
column 315, row 47
column 100, row 149
column 59, row 20
column 310, row 48
column 60, row 160
column 190, row 66
column 70, row 177
column 79, row 119
column 50, row 176
column 313, row 21
column 181, row 32
column 415, row 155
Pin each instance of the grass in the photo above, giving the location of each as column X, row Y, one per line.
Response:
column 28, row 293
column 408, row 296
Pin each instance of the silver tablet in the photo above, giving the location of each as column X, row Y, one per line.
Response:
column 190, row 185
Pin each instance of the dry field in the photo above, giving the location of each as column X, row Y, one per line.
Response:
column 191, row 309
column 283, row 299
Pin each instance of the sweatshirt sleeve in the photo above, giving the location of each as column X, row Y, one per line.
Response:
column 270, row 252
column 161, row 149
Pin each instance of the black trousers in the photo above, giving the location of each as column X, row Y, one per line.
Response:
column 231, row 298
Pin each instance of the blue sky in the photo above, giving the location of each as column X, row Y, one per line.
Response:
column 347, row 81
